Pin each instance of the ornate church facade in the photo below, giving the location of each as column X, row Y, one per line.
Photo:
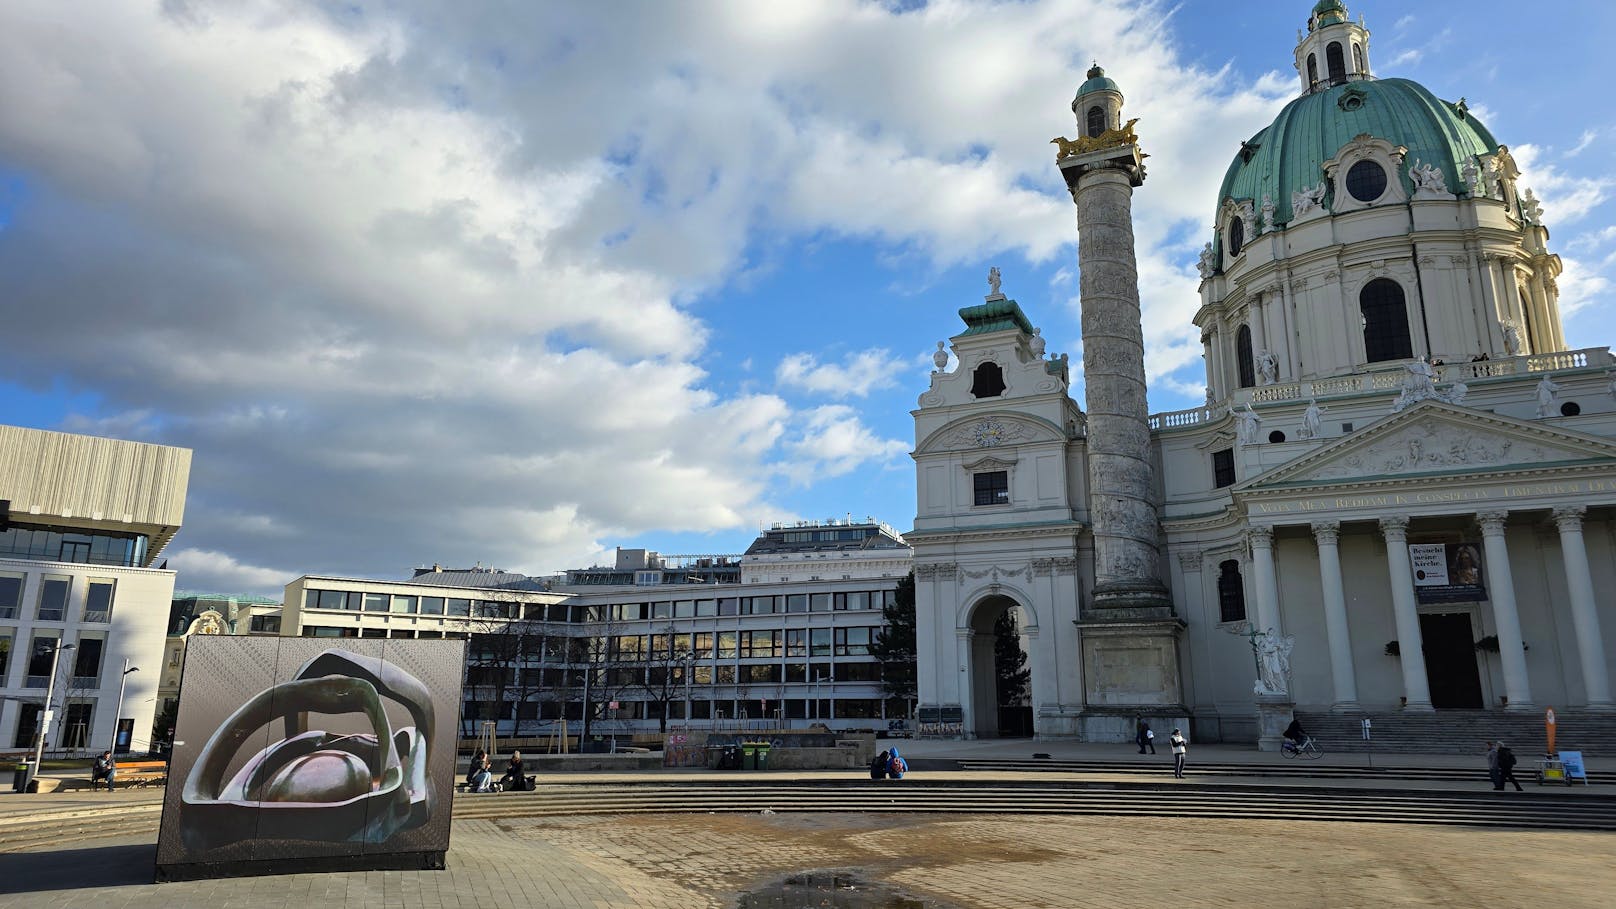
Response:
column 1398, row 497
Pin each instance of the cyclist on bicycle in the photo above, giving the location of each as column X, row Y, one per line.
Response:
column 1294, row 736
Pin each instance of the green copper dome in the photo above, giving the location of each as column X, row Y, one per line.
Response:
column 1329, row 12
column 1289, row 155
column 1098, row 81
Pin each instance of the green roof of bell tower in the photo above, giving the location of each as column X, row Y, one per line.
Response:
column 995, row 315
column 1098, row 81
column 1290, row 153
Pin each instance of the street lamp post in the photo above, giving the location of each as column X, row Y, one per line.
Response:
column 119, row 709
column 50, row 694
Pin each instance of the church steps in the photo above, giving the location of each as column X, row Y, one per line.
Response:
column 1461, row 731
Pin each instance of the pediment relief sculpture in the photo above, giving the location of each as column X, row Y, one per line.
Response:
column 1440, row 445
column 988, row 432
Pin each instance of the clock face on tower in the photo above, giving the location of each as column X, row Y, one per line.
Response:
column 989, row 433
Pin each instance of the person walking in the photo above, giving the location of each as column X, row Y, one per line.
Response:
column 1506, row 768
column 1492, row 767
column 1180, row 746
column 1139, row 727
column 1150, row 739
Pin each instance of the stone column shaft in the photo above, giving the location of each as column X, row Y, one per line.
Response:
column 1327, row 535
column 1580, row 585
column 1121, row 482
column 1416, row 687
column 1264, row 578
column 1501, row 589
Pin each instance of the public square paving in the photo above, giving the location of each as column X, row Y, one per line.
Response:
column 685, row 861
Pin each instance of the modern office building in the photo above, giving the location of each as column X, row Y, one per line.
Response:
column 1400, row 492
column 83, row 520
column 791, row 645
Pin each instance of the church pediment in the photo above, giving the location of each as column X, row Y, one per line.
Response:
column 1436, row 438
column 989, row 432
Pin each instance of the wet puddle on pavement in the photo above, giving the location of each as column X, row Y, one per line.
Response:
column 826, row 890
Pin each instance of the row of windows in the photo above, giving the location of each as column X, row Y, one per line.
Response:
column 76, row 668
column 700, row 645
column 700, row 709
column 1336, row 63
column 354, row 601
column 67, row 544
column 664, row 678
column 53, row 595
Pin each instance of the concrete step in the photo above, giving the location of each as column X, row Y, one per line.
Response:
column 1299, row 768
column 1461, row 732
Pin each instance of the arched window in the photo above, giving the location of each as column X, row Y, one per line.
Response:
column 1231, row 592
column 1526, row 320
column 1096, row 124
column 1312, row 70
column 1244, row 361
column 1237, row 235
column 1335, row 59
column 1385, row 321
column 987, row 381
column 1357, row 58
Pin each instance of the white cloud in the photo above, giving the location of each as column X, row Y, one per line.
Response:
column 1565, row 197
column 834, row 441
column 858, row 373
column 1587, row 139
column 202, row 569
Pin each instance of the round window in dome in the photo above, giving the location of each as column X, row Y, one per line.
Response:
column 1366, row 181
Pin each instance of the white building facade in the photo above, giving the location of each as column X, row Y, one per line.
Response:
column 86, row 520
column 1400, row 489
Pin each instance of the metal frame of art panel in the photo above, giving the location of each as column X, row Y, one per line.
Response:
column 310, row 754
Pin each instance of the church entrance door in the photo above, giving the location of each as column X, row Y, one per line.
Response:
column 1450, row 660
column 1001, row 680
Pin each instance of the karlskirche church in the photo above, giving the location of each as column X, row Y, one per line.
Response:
column 1396, row 503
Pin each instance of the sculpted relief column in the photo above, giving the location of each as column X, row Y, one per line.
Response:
column 1102, row 173
column 1416, row 687
column 1580, row 585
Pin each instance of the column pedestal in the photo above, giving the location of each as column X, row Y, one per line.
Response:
column 1274, row 715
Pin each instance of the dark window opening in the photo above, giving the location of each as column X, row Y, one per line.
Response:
column 1366, row 181
column 1231, row 593
column 992, row 488
column 1357, row 58
column 1346, row 428
column 1570, row 409
column 1385, row 317
column 1335, row 59
column 987, row 381
column 1096, row 121
column 1312, row 70
column 1276, row 437
column 1237, row 235
column 1223, row 468
column 1244, row 360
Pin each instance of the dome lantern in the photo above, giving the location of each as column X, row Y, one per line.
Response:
column 1334, row 50
column 1098, row 105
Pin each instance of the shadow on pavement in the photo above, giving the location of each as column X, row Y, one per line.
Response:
column 77, row 869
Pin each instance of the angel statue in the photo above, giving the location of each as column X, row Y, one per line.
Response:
column 1273, row 661
column 993, row 281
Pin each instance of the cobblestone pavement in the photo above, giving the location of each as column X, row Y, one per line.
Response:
column 952, row 862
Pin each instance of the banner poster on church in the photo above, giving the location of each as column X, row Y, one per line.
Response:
column 1446, row 572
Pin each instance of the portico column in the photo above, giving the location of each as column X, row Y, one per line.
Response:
column 1327, row 534
column 1511, row 653
column 1580, row 584
column 1262, row 564
column 1416, row 688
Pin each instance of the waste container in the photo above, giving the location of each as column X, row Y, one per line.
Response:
column 22, row 774
column 715, row 757
column 749, row 755
column 763, row 755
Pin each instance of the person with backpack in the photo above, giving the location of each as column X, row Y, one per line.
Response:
column 878, row 767
column 1180, row 746
column 896, row 765
column 1506, row 769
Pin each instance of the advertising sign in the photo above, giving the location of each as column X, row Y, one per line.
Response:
column 1447, row 572
column 299, row 754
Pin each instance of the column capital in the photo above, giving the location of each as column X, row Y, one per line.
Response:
column 1260, row 537
column 1569, row 518
column 1492, row 522
column 1189, row 561
column 1327, row 533
column 1395, row 528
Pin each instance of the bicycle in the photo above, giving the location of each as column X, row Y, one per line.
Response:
column 1308, row 750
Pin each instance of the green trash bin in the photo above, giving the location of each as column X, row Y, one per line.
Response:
column 749, row 756
column 763, row 755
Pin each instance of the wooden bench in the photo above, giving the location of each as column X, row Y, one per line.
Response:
column 139, row 773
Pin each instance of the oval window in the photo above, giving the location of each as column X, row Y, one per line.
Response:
column 1237, row 235
column 1366, row 181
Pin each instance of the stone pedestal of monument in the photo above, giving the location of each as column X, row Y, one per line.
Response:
column 1274, row 715
column 1130, row 670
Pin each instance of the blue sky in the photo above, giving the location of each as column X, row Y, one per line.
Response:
column 424, row 282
